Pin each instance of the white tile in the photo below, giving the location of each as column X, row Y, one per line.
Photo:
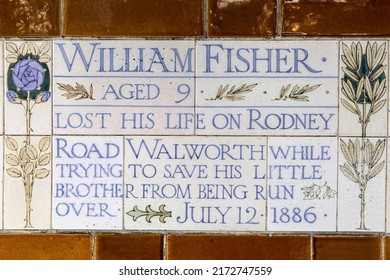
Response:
column 87, row 182
column 29, row 64
column 124, row 87
column 302, row 184
column 388, row 192
column 265, row 74
column 195, row 183
column 354, row 169
column 359, row 116
column 27, row 181
column 1, row 86
column 1, row 180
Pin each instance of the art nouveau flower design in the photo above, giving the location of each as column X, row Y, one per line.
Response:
column 364, row 94
column 28, row 84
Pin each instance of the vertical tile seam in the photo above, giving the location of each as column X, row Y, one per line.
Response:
column 205, row 18
column 52, row 133
column 2, row 56
column 61, row 18
column 266, row 183
column 338, row 134
column 195, row 85
column 311, row 247
column 93, row 245
column 123, row 181
column 387, row 147
column 165, row 247
column 382, row 248
column 278, row 20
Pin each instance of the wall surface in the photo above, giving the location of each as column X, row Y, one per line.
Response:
column 269, row 20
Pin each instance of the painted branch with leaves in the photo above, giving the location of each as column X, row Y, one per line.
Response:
column 28, row 163
column 77, row 92
column 364, row 83
column 233, row 93
column 297, row 93
column 363, row 163
column 364, row 89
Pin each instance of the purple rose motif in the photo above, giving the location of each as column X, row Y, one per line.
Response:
column 28, row 74
column 13, row 97
column 44, row 96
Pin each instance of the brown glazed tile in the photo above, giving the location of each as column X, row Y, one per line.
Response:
column 242, row 247
column 133, row 18
column 387, row 248
column 336, row 17
column 45, row 247
column 29, row 18
column 128, row 247
column 347, row 248
column 241, row 18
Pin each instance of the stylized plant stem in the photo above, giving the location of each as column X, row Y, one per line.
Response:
column 28, row 185
column 363, row 85
column 28, row 85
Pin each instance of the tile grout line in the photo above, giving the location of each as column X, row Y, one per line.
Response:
column 387, row 151
column 123, row 181
column 382, row 249
column 338, row 134
column 51, row 138
column 266, row 183
column 311, row 247
column 62, row 14
column 3, row 134
column 278, row 20
column 164, row 247
column 205, row 17
column 93, row 243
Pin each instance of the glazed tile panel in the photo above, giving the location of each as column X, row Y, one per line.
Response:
column 185, row 135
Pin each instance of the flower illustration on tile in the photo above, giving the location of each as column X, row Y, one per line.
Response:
column 28, row 85
column 318, row 192
column 364, row 88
